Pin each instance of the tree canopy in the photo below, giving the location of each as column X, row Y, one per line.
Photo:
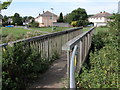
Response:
column 60, row 19
column 78, row 15
column 17, row 19
column 27, row 18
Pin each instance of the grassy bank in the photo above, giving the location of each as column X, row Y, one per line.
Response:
column 11, row 34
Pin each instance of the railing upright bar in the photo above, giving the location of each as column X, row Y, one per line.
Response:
column 72, row 69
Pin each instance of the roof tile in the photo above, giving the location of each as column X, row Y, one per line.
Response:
column 102, row 14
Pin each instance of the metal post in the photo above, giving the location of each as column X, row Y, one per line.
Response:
column 72, row 69
column 52, row 18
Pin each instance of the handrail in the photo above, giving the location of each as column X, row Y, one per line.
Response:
column 35, row 38
column 83, row 42
column 72, row 69
column 73, row 41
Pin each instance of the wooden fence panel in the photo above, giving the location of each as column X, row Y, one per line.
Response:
column 48, row 44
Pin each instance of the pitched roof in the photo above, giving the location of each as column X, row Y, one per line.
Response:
column 101, row 14
column 47, row 13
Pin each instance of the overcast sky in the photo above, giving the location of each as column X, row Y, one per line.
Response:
column 34, row 7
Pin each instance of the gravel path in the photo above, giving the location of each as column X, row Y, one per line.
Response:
column 55, row 77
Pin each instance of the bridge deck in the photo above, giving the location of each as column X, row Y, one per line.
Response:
column 56, row 75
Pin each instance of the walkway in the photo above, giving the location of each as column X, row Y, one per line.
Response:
column 55, row 77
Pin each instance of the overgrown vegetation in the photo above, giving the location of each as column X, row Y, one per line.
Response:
column 103, row 67
column 20, row 64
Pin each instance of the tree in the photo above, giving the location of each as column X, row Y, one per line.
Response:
column 27, row 19
column 78, row 15
column 60, row 19
column 90, row 15
column 34, row 24
column 17, row 19
column 30, row 17
column 5, row 5
column 24, row 19
column 4, row 20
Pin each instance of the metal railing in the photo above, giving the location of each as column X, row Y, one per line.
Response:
column 83, row 42
column 72, row 68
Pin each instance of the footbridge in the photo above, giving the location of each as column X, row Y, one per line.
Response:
column 72, row 46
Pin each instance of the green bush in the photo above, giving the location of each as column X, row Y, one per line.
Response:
column 19, row 64
column 103, row 71
column 104, row 67
column 34, row 24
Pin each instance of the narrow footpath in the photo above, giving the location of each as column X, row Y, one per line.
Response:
column 55, row 77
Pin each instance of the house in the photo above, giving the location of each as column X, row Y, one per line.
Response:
column 46, row 19
column 100, row 19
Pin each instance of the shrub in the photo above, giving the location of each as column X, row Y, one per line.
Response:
column 21, row 63
column 74, row 23
column 103, row 71
column 99, row 40
column 104, row 67
column 34, row 24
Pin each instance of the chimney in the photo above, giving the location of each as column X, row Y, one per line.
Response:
column 43, row 11
column 104, row 12
column 39, row 14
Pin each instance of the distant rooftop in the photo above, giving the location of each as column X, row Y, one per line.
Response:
column 101, row 14
column 47, row 13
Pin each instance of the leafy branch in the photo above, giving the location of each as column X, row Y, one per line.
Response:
column 5, row 5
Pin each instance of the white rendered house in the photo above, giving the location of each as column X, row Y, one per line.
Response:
column 100, row 19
